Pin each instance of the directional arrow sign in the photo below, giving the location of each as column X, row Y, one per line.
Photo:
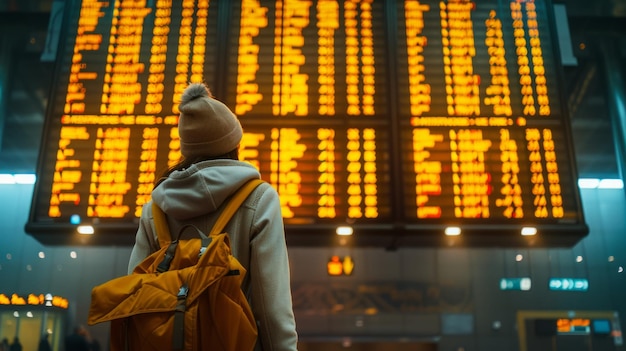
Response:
column 568, row 284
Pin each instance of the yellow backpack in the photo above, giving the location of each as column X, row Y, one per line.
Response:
column 185, row 296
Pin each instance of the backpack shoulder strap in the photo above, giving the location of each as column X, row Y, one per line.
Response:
column 163, row 230
column 240, row 196
column 161, row 226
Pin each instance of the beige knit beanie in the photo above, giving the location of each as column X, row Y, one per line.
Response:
column 206, row 126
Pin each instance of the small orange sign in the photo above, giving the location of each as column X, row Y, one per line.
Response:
column 336, row 266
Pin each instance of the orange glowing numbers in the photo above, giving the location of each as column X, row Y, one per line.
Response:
column 355, row 192
column 302, row 79
column 86, row 41
column 327, row 24
column 158, row 52
column 511, row 202
column 362, row 181
column 290, row 90
column 67, row 170
column 360, row 67
column 108, row 178
column 428, row 173
column 537, row 59
column 191, row 48
column 286, row 150
column 554, row 187
column 533, row 81
column 121, row 90
column 370, row 180
column 199, row 42
column 471, row 183
column 147, row 167
column 498, row 92
column 253, row 18
column 545, row 177
column 249, row 148
column 457, row 37
column 174, row 155
column 419, row 98
column 326, row 190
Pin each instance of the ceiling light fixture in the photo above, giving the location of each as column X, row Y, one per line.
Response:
column 85, row 229
column 452, row 231
column 344, row 230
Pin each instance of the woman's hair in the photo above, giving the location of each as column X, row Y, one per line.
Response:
column 186, row 162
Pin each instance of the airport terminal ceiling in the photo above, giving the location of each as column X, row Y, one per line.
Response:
column 446, row 148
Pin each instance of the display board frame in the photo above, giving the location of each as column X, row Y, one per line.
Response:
column 409, row 150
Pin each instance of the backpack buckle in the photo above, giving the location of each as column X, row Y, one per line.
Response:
column 164, row 266
column 206, row 241
column 182, row 292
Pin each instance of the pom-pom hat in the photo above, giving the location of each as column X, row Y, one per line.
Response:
column 206, row 126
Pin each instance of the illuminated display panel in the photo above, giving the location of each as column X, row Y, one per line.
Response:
column 399, row 118
column 484, row 137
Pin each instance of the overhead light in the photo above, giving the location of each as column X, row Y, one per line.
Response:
column 611, row 184
column 7, row 179
column 85, row 229
column 453, row 231
column 344, row 230
column 528, row 231
column 17, row 178
column 595, row 183
column 588, row 183
column 25, row 178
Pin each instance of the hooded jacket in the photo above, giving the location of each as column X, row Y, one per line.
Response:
column 196, row 195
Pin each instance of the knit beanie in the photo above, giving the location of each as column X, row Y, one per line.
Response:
column 206, row 126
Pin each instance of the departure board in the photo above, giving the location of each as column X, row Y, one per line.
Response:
column 399, row 118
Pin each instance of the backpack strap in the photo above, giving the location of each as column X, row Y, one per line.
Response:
column 163, row 230
column 234, row 203
column 164, row 237
column 160, row 224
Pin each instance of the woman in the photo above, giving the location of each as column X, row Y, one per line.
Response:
column 194, row 191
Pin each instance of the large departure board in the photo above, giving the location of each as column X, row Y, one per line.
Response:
column 399, row 118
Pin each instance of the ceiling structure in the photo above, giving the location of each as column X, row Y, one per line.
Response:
column 597, row 29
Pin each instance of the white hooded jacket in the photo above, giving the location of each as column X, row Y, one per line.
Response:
column 195, row 195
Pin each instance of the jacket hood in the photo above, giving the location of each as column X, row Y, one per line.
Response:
column 201, row 188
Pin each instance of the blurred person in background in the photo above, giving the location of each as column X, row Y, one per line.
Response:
column 77, row 341
column 16, row 345
column 44, row 344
